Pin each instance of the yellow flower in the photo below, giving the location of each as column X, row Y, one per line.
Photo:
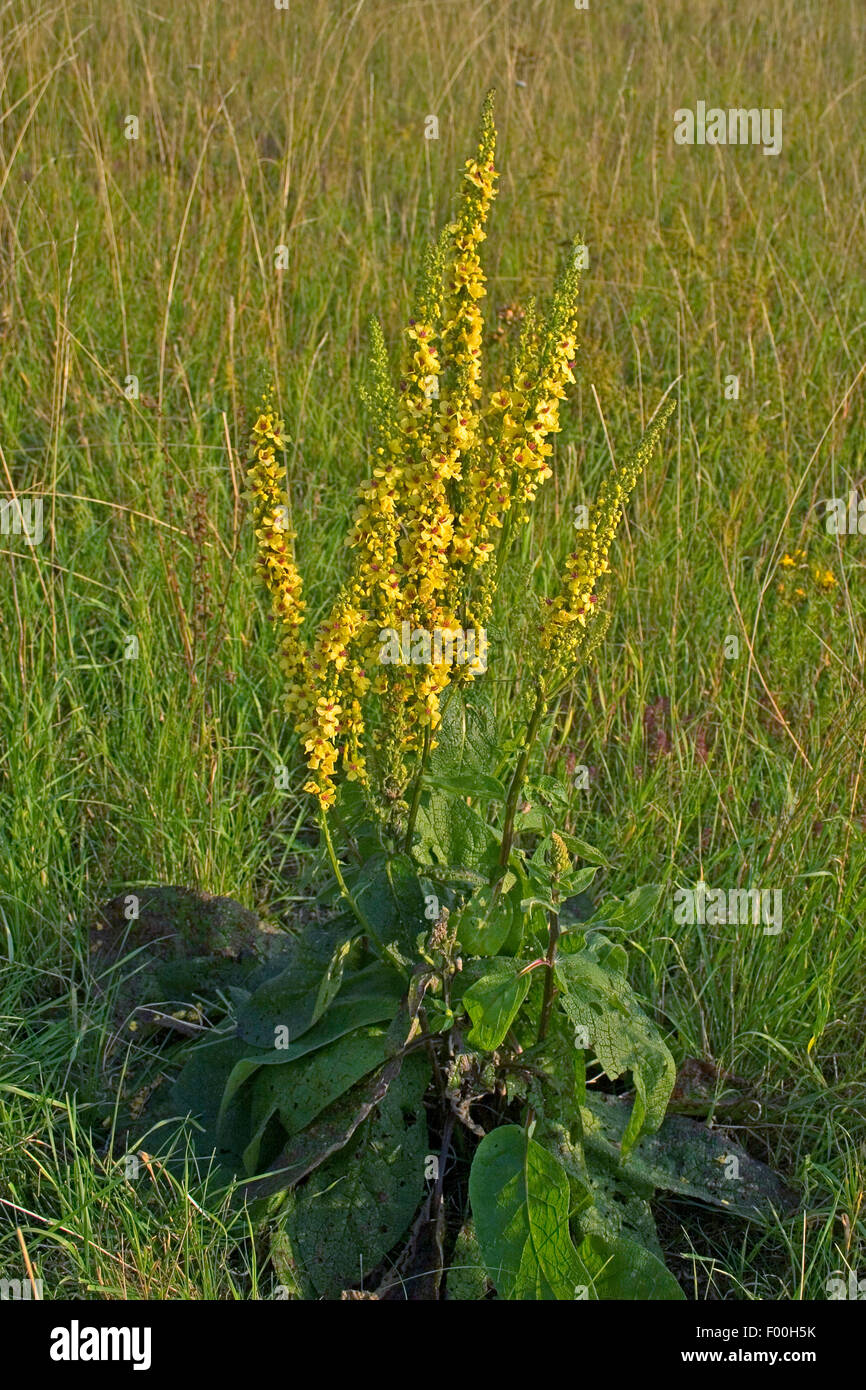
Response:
column 450, row 478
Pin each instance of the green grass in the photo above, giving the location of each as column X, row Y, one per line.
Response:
column 155, row 257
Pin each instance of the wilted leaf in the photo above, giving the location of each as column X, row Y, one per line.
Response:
column 355, row 1207
column 687, row 1158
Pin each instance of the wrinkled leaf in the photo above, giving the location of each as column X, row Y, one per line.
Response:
column 475, row 784
column 453, row 831
column 355, row 1207
column 466, row 740
column 466, row 1277
column 687, row 1158
column 599, row 1001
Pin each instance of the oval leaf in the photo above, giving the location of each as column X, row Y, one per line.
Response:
column 520, row 1197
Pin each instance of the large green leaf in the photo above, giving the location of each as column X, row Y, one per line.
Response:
column 324, row 1136
column 356, row 1206
column 198, row 1091
column 296, row 997
column 387, row 890
column 474, row 784
column 623, row 1269
column 452, row 832
column 584, row 850
column 487, row 921
column 492, row 1003
column 520, row 1196
column 370, row 995
column 373, row 995
column 629, row 913
column 600, row 1002
column 687, row 1158
column 466, row 738
column 299, row 1091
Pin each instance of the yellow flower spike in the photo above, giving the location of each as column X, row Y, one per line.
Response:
column 571, row 615
column 450, row 478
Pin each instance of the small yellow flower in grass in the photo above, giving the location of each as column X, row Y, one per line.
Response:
column 825, row 579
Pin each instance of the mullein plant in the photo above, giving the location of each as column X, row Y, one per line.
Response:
column 452, row 993
column 454, row 473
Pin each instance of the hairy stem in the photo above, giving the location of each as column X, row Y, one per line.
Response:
column 516, row 785
column 547, row 999
column 416, row 794
column 338, row 874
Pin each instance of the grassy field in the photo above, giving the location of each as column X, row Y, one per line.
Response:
column 128, row 762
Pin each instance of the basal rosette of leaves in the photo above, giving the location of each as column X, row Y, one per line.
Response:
column 408, row 1094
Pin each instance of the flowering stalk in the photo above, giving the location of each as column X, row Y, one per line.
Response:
column 448, row 473
column 559, row 863
column 571, row 617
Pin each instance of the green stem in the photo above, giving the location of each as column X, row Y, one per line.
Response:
column 517, row 780
column 547, row 1000
column 338, row 874
column 416, row 794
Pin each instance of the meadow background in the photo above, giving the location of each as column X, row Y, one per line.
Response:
column 155, row 257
